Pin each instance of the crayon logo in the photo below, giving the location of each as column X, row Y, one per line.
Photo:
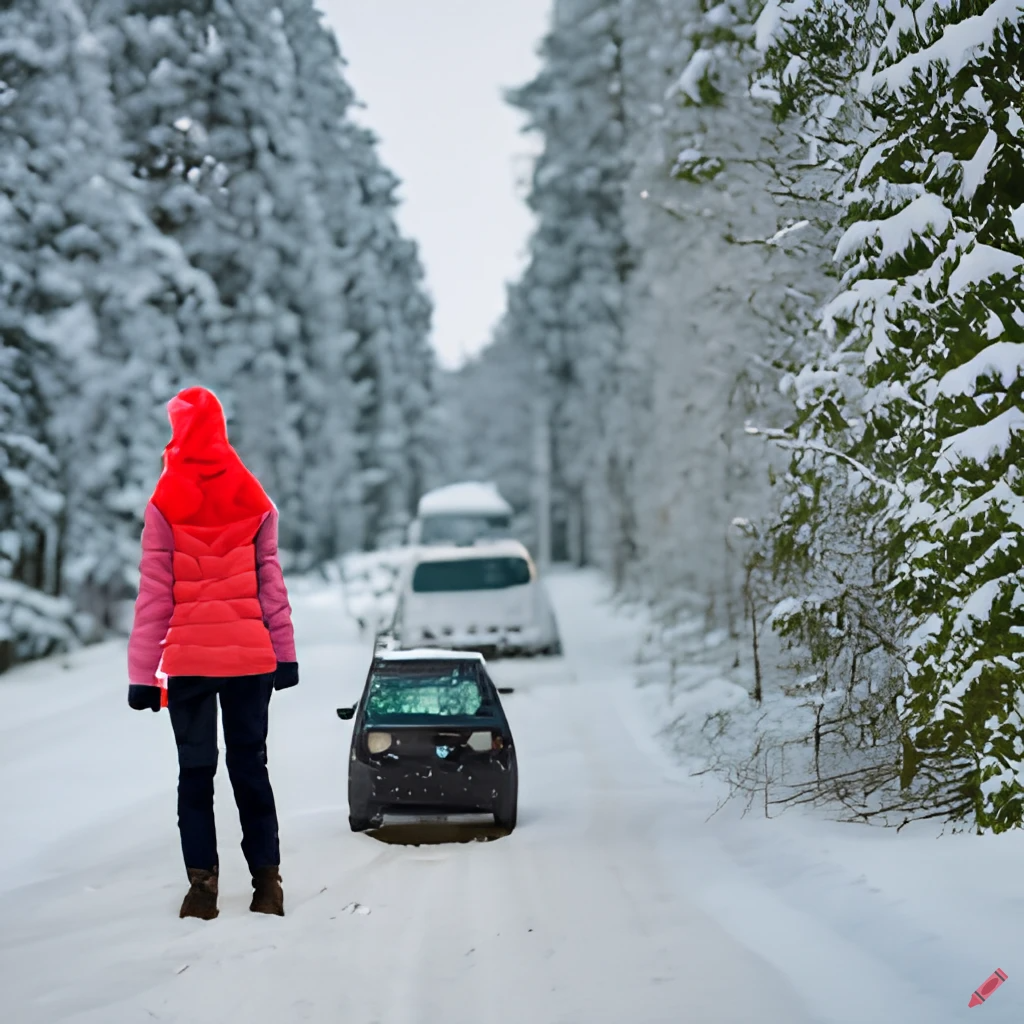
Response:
column 991, row 983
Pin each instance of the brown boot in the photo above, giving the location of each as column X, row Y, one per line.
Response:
column 201, row 899
column 267, row 897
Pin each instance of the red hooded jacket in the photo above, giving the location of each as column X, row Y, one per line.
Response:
column 212, row 595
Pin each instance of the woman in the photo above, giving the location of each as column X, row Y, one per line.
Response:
column 213, row 619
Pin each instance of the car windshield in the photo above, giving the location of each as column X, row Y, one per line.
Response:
column 470, row 574
column 463, row 528
column 412, row 694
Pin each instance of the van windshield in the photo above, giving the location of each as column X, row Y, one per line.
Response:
column 463, row 528
column 470, row 574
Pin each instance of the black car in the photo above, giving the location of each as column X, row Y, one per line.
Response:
column 430, row 738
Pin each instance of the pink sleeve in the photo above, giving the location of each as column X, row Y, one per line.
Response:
column 277, row 612
column 155, row 603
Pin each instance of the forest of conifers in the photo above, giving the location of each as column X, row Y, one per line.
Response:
column 771, row 321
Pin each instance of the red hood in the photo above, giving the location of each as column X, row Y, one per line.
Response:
column 204, row 482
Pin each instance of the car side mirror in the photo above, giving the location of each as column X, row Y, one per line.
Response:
column 346, row 713
column 504, row 690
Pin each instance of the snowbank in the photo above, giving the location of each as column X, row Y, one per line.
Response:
column 369, row 582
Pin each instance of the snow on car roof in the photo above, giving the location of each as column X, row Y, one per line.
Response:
column 470, row 496
column 483, row 549
column 429, row 654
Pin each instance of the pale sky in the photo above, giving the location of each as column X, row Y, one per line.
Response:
column 431, row 73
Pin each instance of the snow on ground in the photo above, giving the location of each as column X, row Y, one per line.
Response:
column 369, row 584
column 617, row 898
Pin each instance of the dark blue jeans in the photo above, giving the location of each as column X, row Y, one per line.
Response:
column 245, row 703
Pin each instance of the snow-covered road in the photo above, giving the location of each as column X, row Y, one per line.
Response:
column 613, row 901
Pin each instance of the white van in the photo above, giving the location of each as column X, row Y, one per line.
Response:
column 485, row 598
column 461, row 514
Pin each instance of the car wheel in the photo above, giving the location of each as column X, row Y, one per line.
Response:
column 506, row 810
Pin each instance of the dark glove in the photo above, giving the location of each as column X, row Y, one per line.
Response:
column 287, row 674
column 143, row 698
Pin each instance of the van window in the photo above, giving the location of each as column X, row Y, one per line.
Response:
column 463, row 528
column 470, row 574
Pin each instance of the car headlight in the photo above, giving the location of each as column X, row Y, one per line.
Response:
column 378, row 742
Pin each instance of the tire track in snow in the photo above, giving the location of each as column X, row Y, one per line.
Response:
column 454, row 973
column 514, row 953
column 409, row 999
column 681, row 947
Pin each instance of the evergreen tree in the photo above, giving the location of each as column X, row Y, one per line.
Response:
column 185, row 200
column 213, row 117
column 921, row 396
column 490, row 423
column 238, row 115
column 389, row 315
column 33, row 620
column 378, row 275
column 946, row 384
column 102, row 289
column 568, row 308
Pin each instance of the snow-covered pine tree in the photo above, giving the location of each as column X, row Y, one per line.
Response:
column 102, row 289
column 215, row 125
column 385, row 419
column 568, row 308
column 324, row 393
column 326, row 100
column 389, row 315
column 423, row 456
column 707, row 311
column 946, row 382
column 812, row 571
column 186, row 80
column 237, row 113
column 34, row 621
column 929, row 418
column 488, row 406
column 826, row 559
